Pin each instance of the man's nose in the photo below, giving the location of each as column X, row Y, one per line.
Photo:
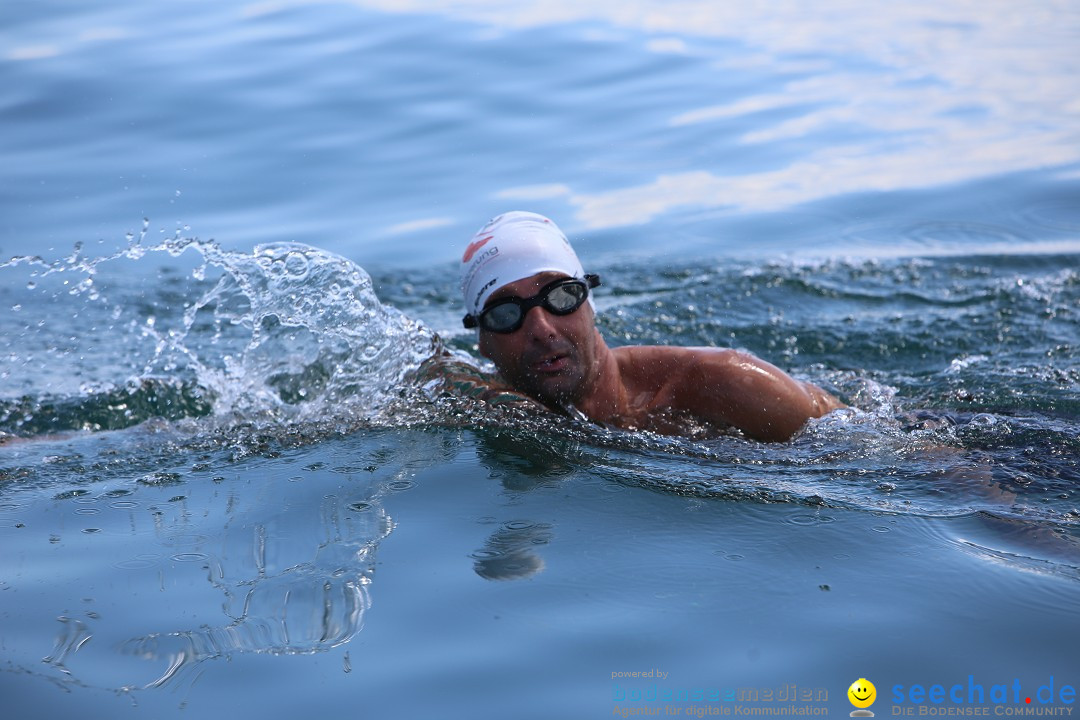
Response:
column 538, row 323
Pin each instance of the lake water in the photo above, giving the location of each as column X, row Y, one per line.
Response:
column 228, row 238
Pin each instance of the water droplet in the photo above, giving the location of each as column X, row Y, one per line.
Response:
column 160, row 478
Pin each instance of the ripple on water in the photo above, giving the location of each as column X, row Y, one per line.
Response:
column 185, row 540
column 808, row 519
column 947, row 235
column 139, row 562
column 1063, row 214
column 1020, row 552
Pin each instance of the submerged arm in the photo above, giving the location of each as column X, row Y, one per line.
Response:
column 458, row 377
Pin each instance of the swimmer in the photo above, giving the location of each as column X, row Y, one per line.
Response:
column 528, row 296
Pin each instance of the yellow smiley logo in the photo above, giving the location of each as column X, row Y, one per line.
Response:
column 862, row 693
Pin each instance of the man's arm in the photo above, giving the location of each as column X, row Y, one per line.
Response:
column 463, row 379
column 738, row 389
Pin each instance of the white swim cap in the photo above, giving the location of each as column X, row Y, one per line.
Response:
column 513, row 246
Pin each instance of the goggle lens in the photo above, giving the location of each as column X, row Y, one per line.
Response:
column 500, row 317
column 564, row 299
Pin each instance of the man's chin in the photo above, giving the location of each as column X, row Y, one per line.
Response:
column 556, row 392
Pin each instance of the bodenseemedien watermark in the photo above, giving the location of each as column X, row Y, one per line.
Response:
column 666, row 699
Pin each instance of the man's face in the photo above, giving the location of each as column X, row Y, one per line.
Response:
column 550, row 357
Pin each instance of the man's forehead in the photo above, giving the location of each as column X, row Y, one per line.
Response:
column 526, row 287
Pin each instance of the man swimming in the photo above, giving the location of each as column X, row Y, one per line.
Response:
column 527, row 294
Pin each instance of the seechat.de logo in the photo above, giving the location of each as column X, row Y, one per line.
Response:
column 862, row 695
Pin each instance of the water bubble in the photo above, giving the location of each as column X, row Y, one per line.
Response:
column 296, row 264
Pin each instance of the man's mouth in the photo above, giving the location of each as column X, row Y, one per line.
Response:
column 550, row 363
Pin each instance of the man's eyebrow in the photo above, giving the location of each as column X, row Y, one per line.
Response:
column 545, row 279
column 500, row 294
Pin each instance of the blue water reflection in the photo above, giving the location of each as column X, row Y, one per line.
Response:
column 357, row 126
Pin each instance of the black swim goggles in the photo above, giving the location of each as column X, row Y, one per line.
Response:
column 561, row 297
